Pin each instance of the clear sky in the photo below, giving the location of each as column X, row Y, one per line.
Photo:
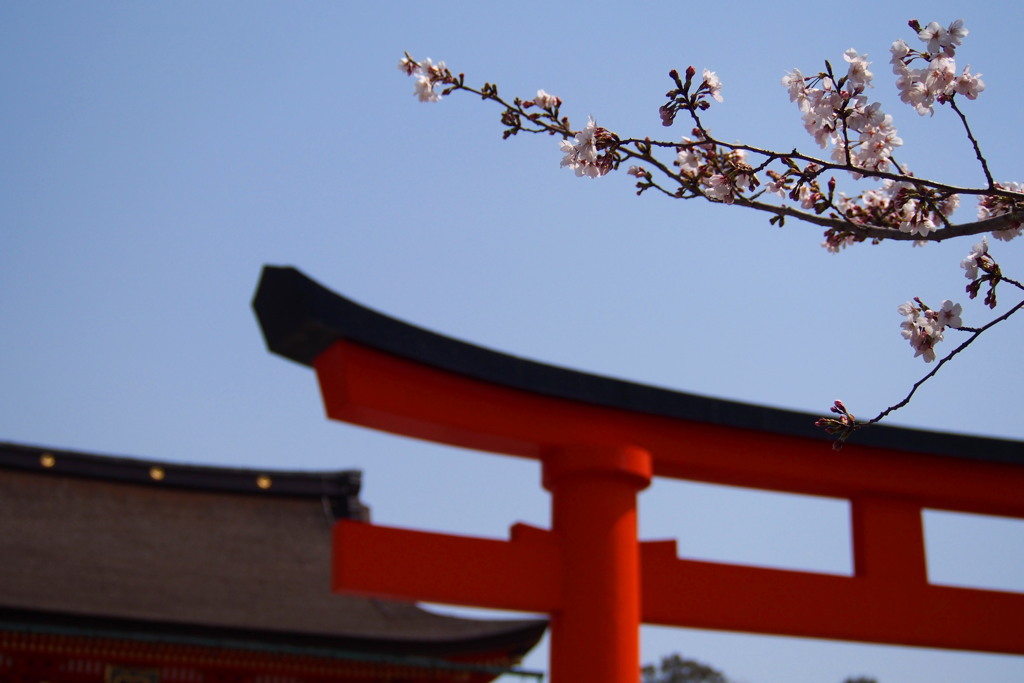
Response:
column 156, row 155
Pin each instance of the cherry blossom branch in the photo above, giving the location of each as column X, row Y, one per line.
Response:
column 1009, row 221
column 976, row 332
column 844, row 224
column 998, row 222
column 923, row 327
column 845, row 425
column 836, row 113
column 1002, row 222
column 831, row 166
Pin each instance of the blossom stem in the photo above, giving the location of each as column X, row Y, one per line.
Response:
column 1013, row 282
column 974, row 142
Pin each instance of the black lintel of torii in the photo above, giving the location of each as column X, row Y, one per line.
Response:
column 301, row 318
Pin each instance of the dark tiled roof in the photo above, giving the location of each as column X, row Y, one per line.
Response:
column 118, row 543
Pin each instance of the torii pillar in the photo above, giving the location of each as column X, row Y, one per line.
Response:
column 594, row 519
column 599, row 442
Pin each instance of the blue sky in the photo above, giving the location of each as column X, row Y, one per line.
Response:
column 156, row 155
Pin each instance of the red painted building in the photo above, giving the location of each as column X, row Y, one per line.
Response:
column 131, row 571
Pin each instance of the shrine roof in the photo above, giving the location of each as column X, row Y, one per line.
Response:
column 301, row 319
column 117, row 544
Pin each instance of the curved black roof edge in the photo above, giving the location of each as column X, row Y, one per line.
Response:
column 339, row 486
column 301, row 318
column 518, row 638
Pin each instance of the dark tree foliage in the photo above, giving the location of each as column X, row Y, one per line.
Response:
column 677, row 669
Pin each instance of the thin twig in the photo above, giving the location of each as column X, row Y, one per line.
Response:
column 970, row 340
column 974, row 142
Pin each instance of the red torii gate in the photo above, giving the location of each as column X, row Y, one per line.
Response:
column 599, row 442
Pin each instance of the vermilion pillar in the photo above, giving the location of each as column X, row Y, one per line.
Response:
column 595, row 631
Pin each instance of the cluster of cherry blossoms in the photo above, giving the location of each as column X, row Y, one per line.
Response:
column 836, row 111
column 833, row 109
column 583, row 152
column 900, row 204
column 976, row 260
column 936, row 79
column 991, row 206
column 545, row 100
column 428, row 75
column 923, row 326
column 981, row 269
column 722, row 175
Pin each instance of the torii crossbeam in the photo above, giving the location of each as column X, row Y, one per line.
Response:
column 599, row 442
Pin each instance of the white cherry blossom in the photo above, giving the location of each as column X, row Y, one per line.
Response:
column 807, row 197
column 776, row 187
column 949, row 314
column 546, row 101
column 858, row 75
column 581, row 152
column 973, row 260
column 924, row 327
column 941, row 75
column 913, row 91
column 899, row 50
column 956, row 34
column 425, row 90
column 714, row 84
column 918, row 226
column 906, row 309
column 969, row 85
column 688, row 161
column 427, row 75
column 944, row 40
column 935, row 35
column 408, row 66
column 720, row 187
column 794, row 83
